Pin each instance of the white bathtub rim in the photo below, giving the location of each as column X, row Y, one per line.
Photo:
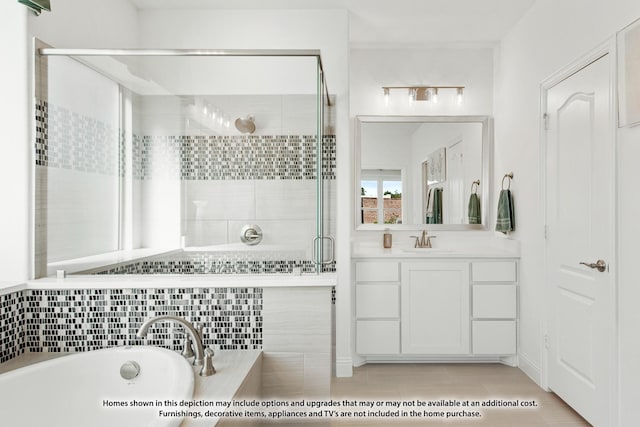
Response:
column 50, row 373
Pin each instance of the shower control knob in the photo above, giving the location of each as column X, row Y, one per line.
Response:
column 251, row 234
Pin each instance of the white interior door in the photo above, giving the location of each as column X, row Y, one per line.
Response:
column 579, row 215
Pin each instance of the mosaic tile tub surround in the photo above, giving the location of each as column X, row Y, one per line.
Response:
column 12, row 333
column 74, row 320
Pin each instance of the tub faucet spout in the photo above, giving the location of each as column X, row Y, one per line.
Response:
column 191, row 330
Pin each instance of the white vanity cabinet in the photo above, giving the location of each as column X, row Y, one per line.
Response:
column 377, row 307
column 436, row 309
column 494, row 309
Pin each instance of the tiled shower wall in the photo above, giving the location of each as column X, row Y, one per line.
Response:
column 265, row 179
column 72, row 320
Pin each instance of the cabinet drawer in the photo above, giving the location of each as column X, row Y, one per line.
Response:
column 494, row 301
column 377, row 271
column 494, row 337
column 498, row 271
column 378, row 337
column 377, row 301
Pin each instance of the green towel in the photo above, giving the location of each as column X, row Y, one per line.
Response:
column 474, row 209
column 505, row 221
column 434, row 212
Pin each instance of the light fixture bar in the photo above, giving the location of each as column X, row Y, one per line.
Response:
column 422, row 87
column 423, row 93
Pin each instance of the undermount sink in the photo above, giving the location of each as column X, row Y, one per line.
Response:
column 427, row 250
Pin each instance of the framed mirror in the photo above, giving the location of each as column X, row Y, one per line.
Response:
column 418, row 171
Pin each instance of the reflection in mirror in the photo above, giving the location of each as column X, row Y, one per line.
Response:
column 423, row 170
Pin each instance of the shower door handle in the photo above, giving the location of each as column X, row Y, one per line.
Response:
column 332, row 252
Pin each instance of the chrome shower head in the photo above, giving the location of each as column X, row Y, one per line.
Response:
column 246, row 124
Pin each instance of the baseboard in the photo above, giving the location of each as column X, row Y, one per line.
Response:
column 344, row 367
column 531, row 369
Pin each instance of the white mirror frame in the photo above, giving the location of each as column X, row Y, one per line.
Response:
column 486, row 179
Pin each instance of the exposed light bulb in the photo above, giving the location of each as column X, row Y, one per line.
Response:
column 459, row 96
column 412, row 95
column 434, row 95
column 386, row 96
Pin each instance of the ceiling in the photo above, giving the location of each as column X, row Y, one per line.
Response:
column 393, row 23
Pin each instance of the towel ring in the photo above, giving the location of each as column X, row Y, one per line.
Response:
column 477, row 184
column 510, row 176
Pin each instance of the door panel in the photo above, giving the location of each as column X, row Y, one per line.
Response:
column 579, row 147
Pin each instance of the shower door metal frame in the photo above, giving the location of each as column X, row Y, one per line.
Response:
column 43, row 50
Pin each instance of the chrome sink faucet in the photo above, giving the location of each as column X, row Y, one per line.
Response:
column 424, row 241
column 203, row 356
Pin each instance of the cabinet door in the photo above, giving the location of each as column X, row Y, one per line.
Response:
column 435, row 308
column 377, row 337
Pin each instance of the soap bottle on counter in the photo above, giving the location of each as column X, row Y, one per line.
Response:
column 386, row 239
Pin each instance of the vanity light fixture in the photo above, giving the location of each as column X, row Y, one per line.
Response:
column 422, row 93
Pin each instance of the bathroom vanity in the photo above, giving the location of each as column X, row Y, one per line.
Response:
column 436, row 305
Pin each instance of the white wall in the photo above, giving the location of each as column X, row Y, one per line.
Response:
column 87, row 24
column 73, row 23
column 82, row 195
column 15, row 174
column 549, row 37
column 370, row 69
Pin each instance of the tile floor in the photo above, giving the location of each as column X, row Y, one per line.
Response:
column 473, row 382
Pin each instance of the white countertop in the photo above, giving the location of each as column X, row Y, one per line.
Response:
column 110, row 259
column 232, row 368
column 365, row 251
column 139, row 281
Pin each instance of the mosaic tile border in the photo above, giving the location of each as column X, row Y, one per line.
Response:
column 84, row 320
column 214, row 263
column 242, row 157
column 12, row 321
column 68, row 140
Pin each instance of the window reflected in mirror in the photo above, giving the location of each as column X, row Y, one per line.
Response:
column 381, row 197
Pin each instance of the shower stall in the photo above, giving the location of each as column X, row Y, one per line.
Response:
column 182, row 162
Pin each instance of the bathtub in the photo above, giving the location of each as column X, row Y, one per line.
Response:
column 87, row 389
